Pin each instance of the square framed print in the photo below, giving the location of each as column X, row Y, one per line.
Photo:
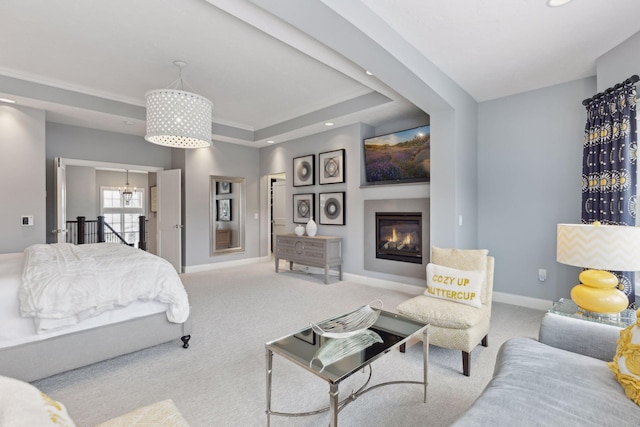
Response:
column 224, row 187
column 332, row 208
column 224, row 209
column 303, row 173
column 331, row 167
column 303, row 207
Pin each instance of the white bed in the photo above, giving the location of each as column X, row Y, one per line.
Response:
column 29, row 354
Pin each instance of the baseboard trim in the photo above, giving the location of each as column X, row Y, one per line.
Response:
column 412, row 290
column 406, row 288
column 224, row 264
column 522, row 301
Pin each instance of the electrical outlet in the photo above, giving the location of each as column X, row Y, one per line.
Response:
column 542, row 274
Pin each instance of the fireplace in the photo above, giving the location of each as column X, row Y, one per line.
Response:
column 398, row 236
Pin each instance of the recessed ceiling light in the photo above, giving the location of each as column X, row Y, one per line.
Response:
column 128, row 122
column 270, row 142
column 328, row 124
column 368, row 73
column 557, row 3
column 7, row 100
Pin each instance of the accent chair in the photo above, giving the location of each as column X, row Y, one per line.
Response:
column 456, row 325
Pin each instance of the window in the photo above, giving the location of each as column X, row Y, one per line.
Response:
column 120, row 216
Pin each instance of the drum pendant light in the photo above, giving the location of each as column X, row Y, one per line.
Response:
column 177, row 118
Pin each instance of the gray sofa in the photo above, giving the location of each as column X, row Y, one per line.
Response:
column 560, row 380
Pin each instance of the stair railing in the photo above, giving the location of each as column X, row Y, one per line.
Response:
column 84, row 231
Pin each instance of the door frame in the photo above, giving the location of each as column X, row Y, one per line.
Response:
column 60, row 187
column 282, row 176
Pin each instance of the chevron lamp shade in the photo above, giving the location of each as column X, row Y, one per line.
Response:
column 603, row 247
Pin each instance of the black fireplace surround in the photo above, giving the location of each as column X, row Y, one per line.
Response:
column 398, row 236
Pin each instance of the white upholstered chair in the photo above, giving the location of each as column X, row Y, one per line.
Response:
column 454, row 325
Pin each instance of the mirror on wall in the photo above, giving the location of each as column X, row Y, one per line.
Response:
column 227, row 214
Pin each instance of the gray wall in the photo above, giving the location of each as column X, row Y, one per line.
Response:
column 530, row 170
column 89, row 144
column 82, row 199
column 373, row 45
column 222, row 159
column 279, row 158
column 22, row 176
column 527, row 160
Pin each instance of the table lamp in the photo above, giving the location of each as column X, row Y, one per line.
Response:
column 599, row 247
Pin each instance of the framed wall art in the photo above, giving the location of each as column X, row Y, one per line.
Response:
column 303, row 207
column 303, row 173
column 332, row 208
column 224, row 187
column 331, row 167
column 224, row 209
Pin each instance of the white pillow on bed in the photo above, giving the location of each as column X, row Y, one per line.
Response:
column 24, row 405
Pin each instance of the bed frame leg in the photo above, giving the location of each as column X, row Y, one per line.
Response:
column 185, row 340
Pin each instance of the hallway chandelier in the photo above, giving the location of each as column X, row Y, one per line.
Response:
column 127, row 192
column 177, row 118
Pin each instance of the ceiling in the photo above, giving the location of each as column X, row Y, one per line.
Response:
column 89, row 63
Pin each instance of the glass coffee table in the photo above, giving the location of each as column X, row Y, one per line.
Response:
column 336, row 359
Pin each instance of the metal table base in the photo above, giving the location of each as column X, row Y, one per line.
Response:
column 335, row 405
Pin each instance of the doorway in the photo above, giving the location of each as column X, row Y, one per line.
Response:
column 167, row 248
column 277, row 207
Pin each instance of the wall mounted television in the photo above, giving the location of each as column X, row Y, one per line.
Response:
column 398, row 157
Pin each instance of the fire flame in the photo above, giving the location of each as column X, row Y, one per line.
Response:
column 407, row 239
column 394, row 237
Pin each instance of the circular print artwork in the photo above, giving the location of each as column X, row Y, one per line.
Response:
column 332, row 208
column 304, row 171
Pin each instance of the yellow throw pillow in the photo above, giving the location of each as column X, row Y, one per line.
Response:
column 463, row 259
column 461, row 286
column 626, row 363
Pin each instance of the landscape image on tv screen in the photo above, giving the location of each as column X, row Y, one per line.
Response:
column 399, row 157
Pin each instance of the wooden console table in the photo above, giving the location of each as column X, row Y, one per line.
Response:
column 318, row 251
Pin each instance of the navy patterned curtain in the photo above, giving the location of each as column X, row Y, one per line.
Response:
column 609, row 164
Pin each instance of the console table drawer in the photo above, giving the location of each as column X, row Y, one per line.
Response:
column 316, row 251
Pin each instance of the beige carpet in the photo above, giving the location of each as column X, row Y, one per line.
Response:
column 220, row 379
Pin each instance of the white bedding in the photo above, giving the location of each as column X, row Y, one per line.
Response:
column 63, row 284
column 16, row 330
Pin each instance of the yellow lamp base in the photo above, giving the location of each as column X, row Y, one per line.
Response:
column 599, row 293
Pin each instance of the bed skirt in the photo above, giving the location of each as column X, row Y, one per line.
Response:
column 40, row 359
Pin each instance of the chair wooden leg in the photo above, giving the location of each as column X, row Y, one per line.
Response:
column 485, row 341
column 466, row 363
column 402, row 348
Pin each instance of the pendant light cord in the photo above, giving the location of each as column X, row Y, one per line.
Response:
column 180, row 82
